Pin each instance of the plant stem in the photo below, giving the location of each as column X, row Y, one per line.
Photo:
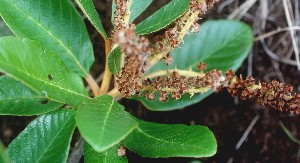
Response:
column 77, row 153
column 187, row 73
column 107, row 74
column 115, row 93
column 92, row 84
column 105, row 82
column 98, row 80
column 107, row 47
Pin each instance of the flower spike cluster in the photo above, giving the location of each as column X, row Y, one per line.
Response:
column 140, row 55
column 137, row 50
column 269, row 94
column 174, row 36
column 178, row 84
column 122, row 14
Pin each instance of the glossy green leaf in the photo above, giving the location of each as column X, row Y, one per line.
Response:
column 137, row 7
column 4, row 30
column 45, row 139
column 108, row 156
column 103, row 122
column 221, row 44
column 3, row 156
column 114, row 59
column 41, row 70
column 113, row 10
column 17, row 99
column 161, row 140
column 56, row 25
column 163, row 17
column 87, row 7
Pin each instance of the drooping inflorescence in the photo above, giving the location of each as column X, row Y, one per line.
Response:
column 122, row 14
column 173, row 36
column 137, row 50
column 140, row 54
column 178, row 84
column 269, row 94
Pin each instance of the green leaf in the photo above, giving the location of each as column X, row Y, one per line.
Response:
column 103, row 122
column 3, row 156
column 163, row 17
column 161, row 140
column 41, row 70
column 4, row 30
column 87, row 7
column 17, row 99
column 56, row 25
column 221, row 44
column 114, row 59
column 46, row 139
column 137, row 7
column 113, row 10
column 171, row 104
column 108, row 156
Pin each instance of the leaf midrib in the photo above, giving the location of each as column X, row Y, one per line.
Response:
column 105, row 119
column 57, row 39
column 105, row 156
column 66, row 122
column 115, row 63
column 161, row 140
column 37, row 90
column 22, row 98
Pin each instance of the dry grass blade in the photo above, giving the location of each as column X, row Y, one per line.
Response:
column 224, row 4
column 276, row 57
column 242, row 10
column 290, row 24
column 269, row 34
